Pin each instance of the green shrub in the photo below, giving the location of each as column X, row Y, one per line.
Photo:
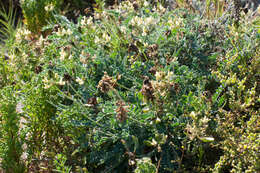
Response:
column 232, row 115
column 138, row 88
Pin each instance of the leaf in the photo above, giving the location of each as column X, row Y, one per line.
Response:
column 75, row 152
column 222, row 101
column 135, row 139
column 207, row 139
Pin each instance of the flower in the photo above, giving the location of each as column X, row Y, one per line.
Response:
column 97, row 40
column 63, row 54
column 106, row 37
column 68, row 32
column 62, row 32
column 160, row 8
column 49, row 7
column 40, row 42
column 47, row 83
column 21, row 34
column 145, row 31
column 80, row 81
column 136, row 21
column 146, row 3
column 61, row 82
column 150, row 21
column 123, row 29
column 90, row 20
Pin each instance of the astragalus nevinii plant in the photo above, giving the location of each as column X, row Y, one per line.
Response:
column 138, row 88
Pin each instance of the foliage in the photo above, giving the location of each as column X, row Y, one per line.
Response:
column 135, row 88
column 145, row 165
column 8, row 23
column 11, row 134
column 38, row 12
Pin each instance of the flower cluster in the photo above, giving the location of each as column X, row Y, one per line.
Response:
column 63, row 32
column 143, row 25
column 22, row 33
column 86, row 22
column 163, row 84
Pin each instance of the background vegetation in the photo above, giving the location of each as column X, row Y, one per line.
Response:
column 143, row 86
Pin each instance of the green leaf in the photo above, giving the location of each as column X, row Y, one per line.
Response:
column 207, row 139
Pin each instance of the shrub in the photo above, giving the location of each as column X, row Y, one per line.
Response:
column 138, row 88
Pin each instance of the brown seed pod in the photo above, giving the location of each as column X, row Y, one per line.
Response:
column 92, row 101
column 67, row 77
column 106, row 83
column 38, row 69
column 136, row 6
column 132, row 48
column 168, row 32
column 153, row 70
column 121, row 111
column 147, row 89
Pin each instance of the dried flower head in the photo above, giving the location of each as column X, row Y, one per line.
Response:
column 67, row 77
column 152, row 51
column 147, row 89
column 92, row 102
column 133, row 48
column 106, row 83
column 136, row 6
column 153, row 70
column 121, row 111
column 38, row 69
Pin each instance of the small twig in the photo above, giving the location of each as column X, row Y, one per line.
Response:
column 158, row 165
column 182, row 154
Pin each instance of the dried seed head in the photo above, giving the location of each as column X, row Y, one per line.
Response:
column 168, row 32
column 38, row 69
column 92, row 101
column 136, row 6
column 147, row 89
column 67, row 77
column 177, row 88
column 106, row 83
column 153, row 70
column 121, row 111
column 152, row 51
column 133, row 48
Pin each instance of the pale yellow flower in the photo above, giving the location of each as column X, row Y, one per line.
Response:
column 106, row 37
column 61, row 82
column 80, row 81
column 49, row 7
column 123, row 29
column 63, row 54
column 83, row 21
column 146, row 3
column 150, row 21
